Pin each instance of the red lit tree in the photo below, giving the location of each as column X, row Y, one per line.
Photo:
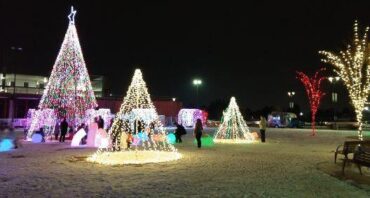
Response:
column 314, row 92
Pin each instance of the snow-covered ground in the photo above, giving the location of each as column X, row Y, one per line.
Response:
column 290, row 164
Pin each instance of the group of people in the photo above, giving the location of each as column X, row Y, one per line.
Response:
column 61, row 129
column 198, row 131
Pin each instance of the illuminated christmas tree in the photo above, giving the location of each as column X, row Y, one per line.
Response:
column 68, row 92
column 138, row 118
column 233, row 128
column 352, row 66
column 314, row 93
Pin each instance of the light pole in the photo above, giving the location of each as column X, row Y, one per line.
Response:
column 334, row 95
column 15, row 49
column 290, row 95
column 197, row 83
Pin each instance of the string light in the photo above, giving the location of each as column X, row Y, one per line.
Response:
column 188, row 117
column 352, row 66
column 233, row 128
column 149, row 145
column 39, row 119
column 314, row 93
column 68, row 91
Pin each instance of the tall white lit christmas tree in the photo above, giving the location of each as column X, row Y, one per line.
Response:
column 138, row 118
column 68, row 92
column 233, row 128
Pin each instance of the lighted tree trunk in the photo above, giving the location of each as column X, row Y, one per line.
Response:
column 314, row 93
column 313, row 122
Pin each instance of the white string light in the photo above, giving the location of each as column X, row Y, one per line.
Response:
column 154, row 147
column 352, row 66
column 233, row 128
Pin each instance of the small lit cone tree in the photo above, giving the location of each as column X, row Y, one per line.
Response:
column 68, row 91
column 352, row 66
column 233, row 128
column 137, row 117
column 314, row 93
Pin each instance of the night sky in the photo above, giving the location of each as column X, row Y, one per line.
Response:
column 250, row 50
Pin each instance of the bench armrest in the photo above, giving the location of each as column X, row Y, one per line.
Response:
column 341, row 145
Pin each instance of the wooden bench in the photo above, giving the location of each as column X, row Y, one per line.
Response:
column 361, row 156
column 347, row 148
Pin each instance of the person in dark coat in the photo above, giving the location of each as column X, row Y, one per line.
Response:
column 63, row 130
column 198, row 130
column 100, row 123
column 57, row 130
column 180, row 130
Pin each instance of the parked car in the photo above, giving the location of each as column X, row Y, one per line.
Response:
column 295, row 123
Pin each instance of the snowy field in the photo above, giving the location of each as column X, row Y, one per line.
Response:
column 290, row 164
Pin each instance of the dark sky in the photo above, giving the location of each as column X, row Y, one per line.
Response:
column 250, row 50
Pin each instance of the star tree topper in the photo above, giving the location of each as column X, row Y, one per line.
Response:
column 71, row 16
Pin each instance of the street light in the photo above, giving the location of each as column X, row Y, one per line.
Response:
column 334, row 94
column 290, row 95
column 197, row 83
column 15, row 49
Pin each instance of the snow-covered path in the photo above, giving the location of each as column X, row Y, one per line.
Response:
column 286, row 166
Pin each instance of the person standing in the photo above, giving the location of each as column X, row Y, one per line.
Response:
column 57, row 130
column 198, row 130
column 63, row 130
column 91, row 134
column 180, row 130
column 100, row 123
column 262, row 125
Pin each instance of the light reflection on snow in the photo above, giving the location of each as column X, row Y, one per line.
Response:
column 134, row 157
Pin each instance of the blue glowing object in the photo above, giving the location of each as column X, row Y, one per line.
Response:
column 6, row 145
column 171, row 138
column 143, row 136
column 36, row 138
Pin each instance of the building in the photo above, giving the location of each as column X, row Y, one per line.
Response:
column 31, row 84
column 21, row 92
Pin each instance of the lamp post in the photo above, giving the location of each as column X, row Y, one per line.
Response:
column 197, row 83
column 290, row 95
column 334, row 95
column 14, row 49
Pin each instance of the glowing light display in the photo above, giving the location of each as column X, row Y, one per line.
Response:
column 42, row 118
column 352, row 66
column 188, row 117
column 102, row 139
column 233, row 128
column 138, row 135
column 68, row 91
column 134, row 157
column 36, row 138
column 207, row 141
column 104, row 113
column 78, row 137
column 171, row 138
column 6, row 145
column 314, row 93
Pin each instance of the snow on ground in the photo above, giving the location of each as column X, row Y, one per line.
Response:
column 290, row 164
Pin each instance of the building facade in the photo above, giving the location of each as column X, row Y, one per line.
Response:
column 20, row 92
